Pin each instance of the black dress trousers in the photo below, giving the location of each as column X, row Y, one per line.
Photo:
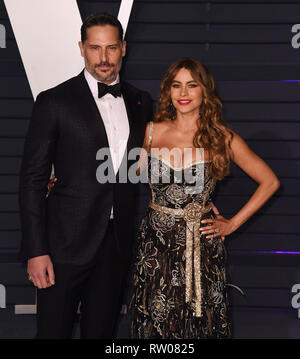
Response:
column 98, row 286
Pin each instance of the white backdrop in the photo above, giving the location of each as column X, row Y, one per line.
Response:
column 47, row 34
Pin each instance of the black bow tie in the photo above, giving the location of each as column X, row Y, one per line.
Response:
column 103, row 89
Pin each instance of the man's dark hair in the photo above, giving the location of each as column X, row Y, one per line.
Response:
column 100, row 19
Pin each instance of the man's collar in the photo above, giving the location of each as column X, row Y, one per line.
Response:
column 92, row 82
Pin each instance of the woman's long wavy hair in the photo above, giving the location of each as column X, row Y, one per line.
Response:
column 212, row 129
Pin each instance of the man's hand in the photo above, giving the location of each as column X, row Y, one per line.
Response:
column 40, row 271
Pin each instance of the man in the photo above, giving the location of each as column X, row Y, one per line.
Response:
column 78, row 240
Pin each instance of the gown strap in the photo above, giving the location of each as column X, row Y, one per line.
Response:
column 150, row 137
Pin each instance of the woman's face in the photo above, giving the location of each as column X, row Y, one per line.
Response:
column 186, row 93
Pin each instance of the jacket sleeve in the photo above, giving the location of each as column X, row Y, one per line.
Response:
column 149, row 108
column 38, row 156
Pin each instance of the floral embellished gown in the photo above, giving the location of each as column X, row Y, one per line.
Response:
column 179, row 275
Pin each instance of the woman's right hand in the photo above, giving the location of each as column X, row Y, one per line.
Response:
column 51, row 184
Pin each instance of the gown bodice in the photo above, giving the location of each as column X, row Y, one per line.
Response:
column 175, row 187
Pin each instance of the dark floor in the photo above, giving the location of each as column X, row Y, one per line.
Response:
column 247, row 324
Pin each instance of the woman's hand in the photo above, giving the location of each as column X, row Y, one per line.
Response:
column 224, row 226
column 51, row 184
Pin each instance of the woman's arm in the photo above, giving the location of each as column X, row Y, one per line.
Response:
column 260, row 172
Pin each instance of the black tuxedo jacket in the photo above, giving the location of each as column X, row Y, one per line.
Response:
column 67, row 130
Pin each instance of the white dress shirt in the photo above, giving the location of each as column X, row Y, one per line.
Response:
column 115, row 119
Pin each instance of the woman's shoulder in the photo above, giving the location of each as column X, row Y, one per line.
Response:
column 159, row 126
column 235, row 142
column 148, row 133
column 162, row 125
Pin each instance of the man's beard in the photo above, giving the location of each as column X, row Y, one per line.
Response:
column 111, row 76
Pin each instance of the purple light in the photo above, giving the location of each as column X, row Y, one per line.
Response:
column 289, row 80
column 267, row 252
column 285, row 252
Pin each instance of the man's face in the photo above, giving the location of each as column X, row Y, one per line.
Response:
column 103, row 52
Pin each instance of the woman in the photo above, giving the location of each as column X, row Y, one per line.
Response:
column 179, row 274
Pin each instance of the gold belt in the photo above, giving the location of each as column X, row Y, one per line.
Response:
column 192, row 214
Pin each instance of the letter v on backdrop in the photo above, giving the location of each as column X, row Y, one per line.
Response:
column 47, row 34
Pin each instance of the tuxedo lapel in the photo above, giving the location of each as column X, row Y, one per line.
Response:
column 133, row 106
column 89, row 111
